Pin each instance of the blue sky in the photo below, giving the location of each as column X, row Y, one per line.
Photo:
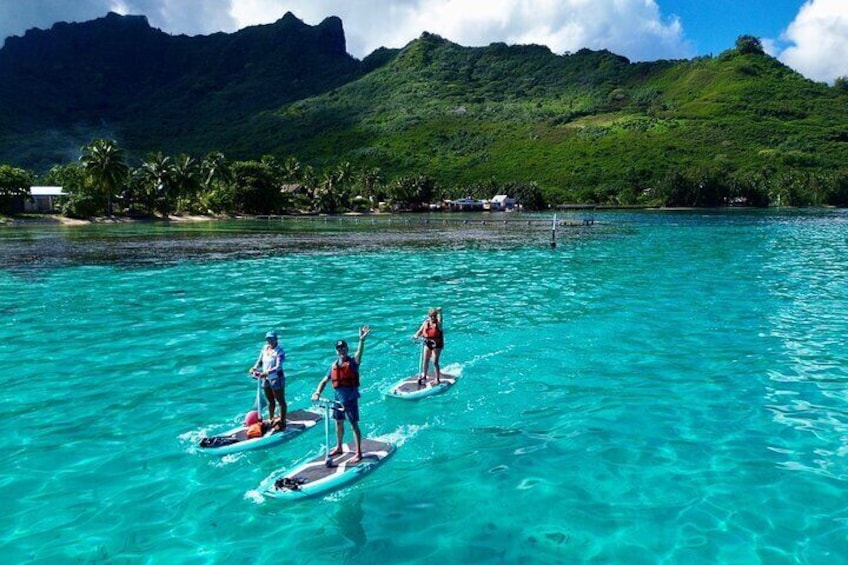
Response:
column 712, row 26
column 810, row 36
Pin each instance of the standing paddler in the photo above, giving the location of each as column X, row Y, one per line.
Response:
column 434, row 341
column 344, row 375
column 269, row 368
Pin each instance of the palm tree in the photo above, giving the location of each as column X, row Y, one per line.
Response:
column 328, row 193
column 310, row 181
column 105, row 166
column 344, row 172
column 403, row 191
column 158, row 171
column 411, row 192
column 216, row 176
column 344, row 176
column 371, row 180
column 291, row 169
column 214, row 168
column 185, row 180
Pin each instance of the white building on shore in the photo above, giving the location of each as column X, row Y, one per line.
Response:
column 502, row 203
column 41, row 199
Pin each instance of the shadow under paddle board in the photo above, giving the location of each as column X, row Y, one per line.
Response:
column 315, row 477
column 235, row 440
column 410, row 389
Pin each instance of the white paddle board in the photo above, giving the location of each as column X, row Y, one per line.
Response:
column 410, row 389
column 235, row 440
column 315, row 477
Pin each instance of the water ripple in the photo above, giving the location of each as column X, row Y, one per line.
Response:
column 638, row 394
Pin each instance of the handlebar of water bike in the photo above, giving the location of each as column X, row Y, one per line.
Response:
column 328, row 403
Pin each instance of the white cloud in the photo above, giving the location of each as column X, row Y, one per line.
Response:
column 195, row 17
column 633, row 28
column 819, row 40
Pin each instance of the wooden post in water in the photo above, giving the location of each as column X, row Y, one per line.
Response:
column 553, row 233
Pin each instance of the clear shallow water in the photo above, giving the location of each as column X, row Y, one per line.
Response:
column 658, row 388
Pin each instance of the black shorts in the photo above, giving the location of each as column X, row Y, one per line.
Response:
column 434, row 344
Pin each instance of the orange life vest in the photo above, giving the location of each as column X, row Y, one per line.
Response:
column 255, row 430
column 432, row 330
column 344, row 375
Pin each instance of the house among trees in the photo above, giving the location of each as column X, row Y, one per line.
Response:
column 501, row 203
column 41, row 199
column 295, row 189
column 466, row 204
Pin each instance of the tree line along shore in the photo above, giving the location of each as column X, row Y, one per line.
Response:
column 589, row 128
column 102, row 184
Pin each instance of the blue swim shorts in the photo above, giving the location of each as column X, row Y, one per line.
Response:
column 350, row 412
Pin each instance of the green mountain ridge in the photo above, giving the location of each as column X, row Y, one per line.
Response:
column 118, row 77
column 580, row 125
column 584, row 126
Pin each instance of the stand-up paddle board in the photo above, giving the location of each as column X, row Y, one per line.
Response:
column 235, row 440
column 326, row 472
column 411, row 389
column 315, row 476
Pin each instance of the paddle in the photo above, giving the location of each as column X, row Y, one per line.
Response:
column 326, row 403
column 260, row 398
column 421, row 363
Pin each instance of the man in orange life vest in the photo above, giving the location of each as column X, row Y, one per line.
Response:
column 344, row 375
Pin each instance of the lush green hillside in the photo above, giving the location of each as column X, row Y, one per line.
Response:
column 117, row 77
column 583, row 126
column 587, row 126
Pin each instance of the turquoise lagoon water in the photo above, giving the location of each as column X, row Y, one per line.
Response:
column 659, row 388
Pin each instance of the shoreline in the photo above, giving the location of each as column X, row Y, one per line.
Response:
column 59, row 220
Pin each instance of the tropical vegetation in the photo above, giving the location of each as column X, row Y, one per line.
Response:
column 435, row 121
column 14, row 185
column 102, row 183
